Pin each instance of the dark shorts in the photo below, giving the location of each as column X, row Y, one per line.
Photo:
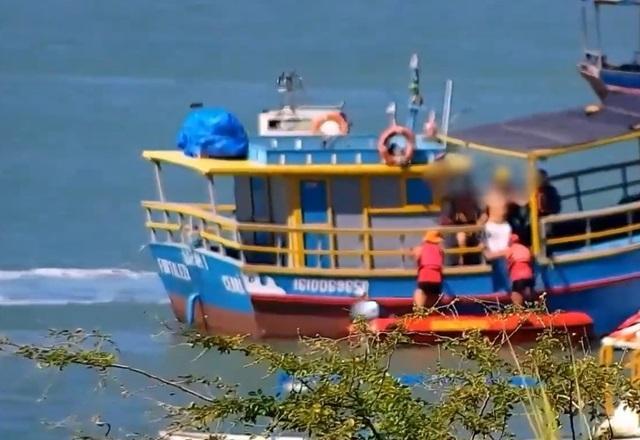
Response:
column 523, row 287
column 430, row 288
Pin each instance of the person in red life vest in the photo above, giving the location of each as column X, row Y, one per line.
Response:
column 519, row 262
column 430, row 259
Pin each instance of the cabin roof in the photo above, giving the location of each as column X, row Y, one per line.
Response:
column 206, row 166
column 555, row 133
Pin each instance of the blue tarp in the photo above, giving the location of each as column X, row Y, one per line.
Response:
column 213, row 132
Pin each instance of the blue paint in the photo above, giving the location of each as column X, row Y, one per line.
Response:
column 190, row 307
column 608, row 305
column 213, row 289
column 347, row 150
column 286, row 382
column 173, row 253
column 418, row 192
column 620, row 79
column 313, row 204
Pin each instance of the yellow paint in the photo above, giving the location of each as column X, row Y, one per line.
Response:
column 407, row 209
column 480, row 147
column 532, row 172
column 586, row 146
column 365, row 194
column 449, row 324
column 360, row 273
column 295, row 220
column 540, row 153
column 216, row 225
column 206, row 166
column 163, row 226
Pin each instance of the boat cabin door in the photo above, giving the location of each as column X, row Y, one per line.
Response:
column 314, row 206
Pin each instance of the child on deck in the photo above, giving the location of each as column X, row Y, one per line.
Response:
column 430, row 259
column 519, row 261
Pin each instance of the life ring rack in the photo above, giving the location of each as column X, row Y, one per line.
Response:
column 409, row 148
column 337, row 117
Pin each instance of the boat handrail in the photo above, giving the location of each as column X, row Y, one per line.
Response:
column 178, row 221
column 231, row 224
column 627, row 227
column 578, row 193
column 593, row 213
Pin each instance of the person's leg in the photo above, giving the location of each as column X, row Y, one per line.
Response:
column 517, row 299
column 433, row 294
column 419, row 299
column 518, row 289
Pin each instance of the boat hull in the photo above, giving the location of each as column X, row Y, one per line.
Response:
column 216, row 294
column 605, row 81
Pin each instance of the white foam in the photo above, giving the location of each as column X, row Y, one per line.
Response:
column 55, row 272
column 62, row 286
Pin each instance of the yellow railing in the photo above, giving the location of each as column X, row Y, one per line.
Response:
column 186, row 223
column 581, row 229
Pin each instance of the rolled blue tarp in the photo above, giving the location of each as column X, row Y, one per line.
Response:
column 213, row 132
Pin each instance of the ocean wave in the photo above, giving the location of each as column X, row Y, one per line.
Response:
column 73, row 273
column 62, row 286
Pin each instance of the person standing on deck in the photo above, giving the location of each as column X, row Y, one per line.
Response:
column 430, row 260
column 519, row 261
column 549, row 201
column 461, row 209
column 499, row 219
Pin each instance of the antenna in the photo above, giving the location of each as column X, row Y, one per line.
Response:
column 415, row 99
column 585, row 34
column 446, row 109
column 391, row 111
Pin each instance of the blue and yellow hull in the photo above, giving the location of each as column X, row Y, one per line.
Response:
column 217, row 294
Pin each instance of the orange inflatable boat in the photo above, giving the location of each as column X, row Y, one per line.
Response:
column 520, row 327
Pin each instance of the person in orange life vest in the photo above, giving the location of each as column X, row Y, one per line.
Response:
column 430, row 259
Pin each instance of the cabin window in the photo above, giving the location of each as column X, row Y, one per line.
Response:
column 347, row 213
column 418, row 192
column 385, row 192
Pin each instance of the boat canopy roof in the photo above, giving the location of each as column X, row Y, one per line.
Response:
column 555, row 133
column 451, row 164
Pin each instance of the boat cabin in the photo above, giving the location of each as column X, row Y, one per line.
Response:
column 312, row 203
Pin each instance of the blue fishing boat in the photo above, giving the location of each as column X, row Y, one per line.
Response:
column 318, row 222
column 602, row 75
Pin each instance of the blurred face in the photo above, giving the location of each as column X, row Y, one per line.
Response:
column 541, row 179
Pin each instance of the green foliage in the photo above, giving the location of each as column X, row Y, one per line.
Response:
column 347, row 390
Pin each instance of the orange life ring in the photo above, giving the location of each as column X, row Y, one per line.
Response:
column 336, row 117
column 409, row 148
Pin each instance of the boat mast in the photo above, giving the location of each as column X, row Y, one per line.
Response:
column 585, row 34
column 415, row 99
column 598, row 33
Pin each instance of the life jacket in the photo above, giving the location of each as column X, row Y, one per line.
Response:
column 430, row 263
column 519, row 260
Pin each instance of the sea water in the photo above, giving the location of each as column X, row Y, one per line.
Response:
column 85, row 85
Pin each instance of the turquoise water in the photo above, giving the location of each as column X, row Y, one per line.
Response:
column 85, row 85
